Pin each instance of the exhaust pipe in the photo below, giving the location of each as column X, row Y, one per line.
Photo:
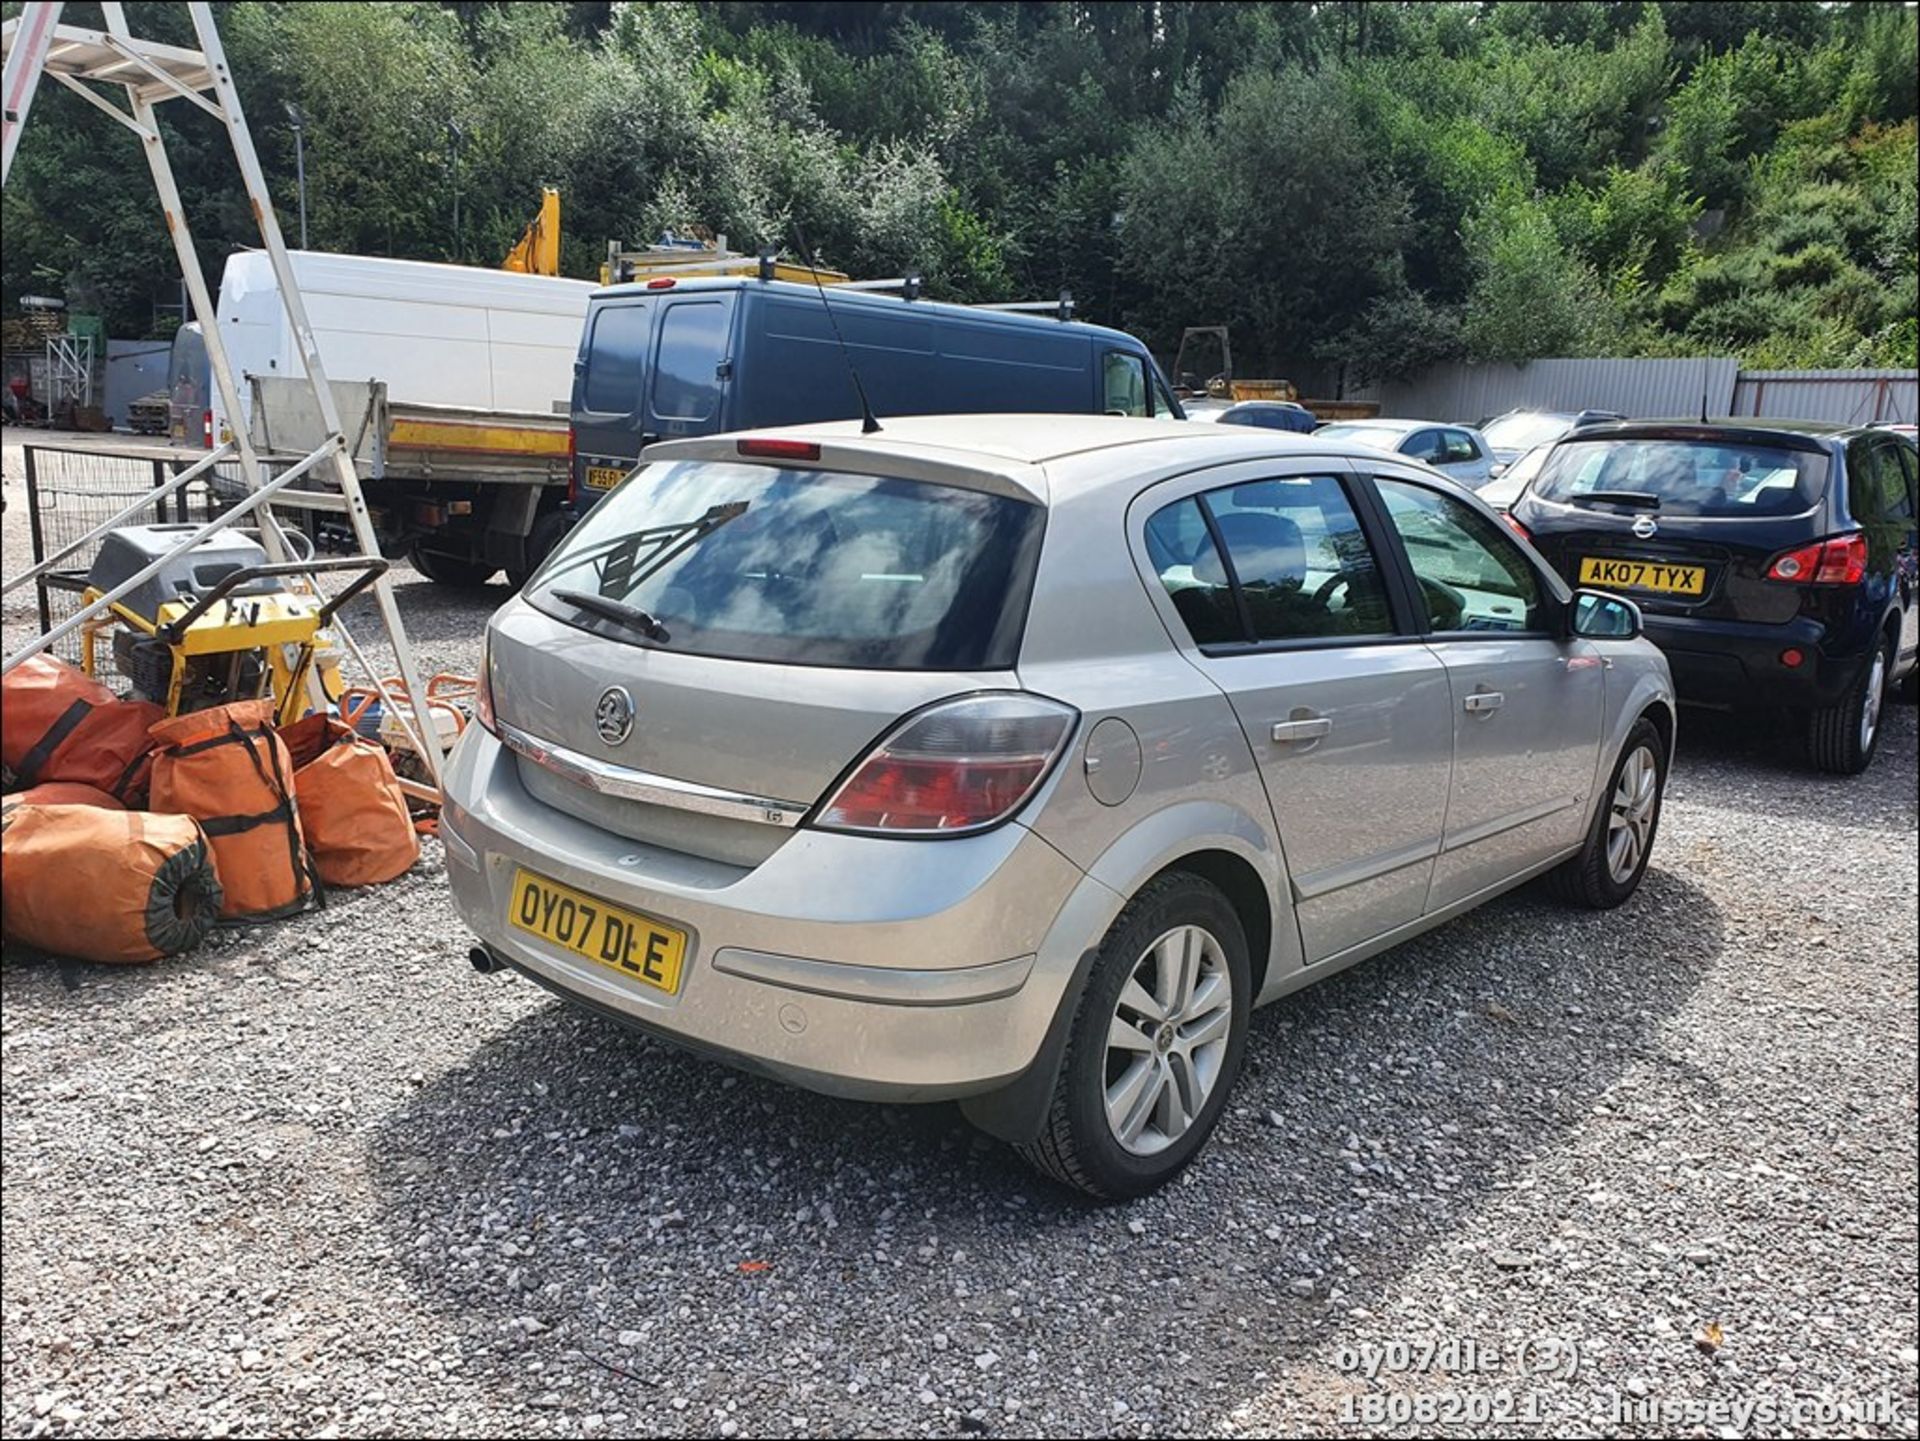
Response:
column 484, row 961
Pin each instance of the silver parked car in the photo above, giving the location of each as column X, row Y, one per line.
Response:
column 1459, row 451
column 1016, row 758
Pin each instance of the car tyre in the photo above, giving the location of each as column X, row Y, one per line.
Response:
column 450, row 572
column 1609, row 867
column 547, row 532
column 1842, row 738
column 1155, row 1045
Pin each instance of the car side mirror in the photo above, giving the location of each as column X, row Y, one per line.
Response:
column 1597, row 615
column 1496, row 470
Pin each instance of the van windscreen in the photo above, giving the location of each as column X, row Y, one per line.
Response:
column 801, row 567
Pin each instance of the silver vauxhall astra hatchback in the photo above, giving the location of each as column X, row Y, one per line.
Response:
column 1015, row 759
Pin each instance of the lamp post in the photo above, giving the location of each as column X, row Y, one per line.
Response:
column 299, row 121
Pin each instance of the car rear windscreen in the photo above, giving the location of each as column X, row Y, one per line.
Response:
column 1684, row 477
column 804, row 567
column 1524, row 429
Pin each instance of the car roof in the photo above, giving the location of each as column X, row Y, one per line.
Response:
column 1384, row 422
column 1018, row 454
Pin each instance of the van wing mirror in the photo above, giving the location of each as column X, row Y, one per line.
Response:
column 1598, row 615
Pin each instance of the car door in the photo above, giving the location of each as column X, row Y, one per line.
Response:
column 1280, row 589
column 1907, row 555
column 1123, row 384
column 1527, row 703
column 1880, row 499
column 691, row 365
column 609, row 395
column 1424, row 445
column 1463, row 458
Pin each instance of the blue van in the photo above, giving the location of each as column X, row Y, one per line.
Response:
column 673, row 357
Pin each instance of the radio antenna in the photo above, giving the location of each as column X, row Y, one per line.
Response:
column 868, row 424
column 1705, row 373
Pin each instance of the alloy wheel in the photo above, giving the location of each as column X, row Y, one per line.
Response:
column 1870, row 703
column 1636, row 803
column 1167, row 1039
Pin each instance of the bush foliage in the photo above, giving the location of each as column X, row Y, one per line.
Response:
column 1371, row 185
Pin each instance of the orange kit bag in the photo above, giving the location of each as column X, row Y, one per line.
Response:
column 105, row 885
column 228, row 769
column 64, row 793
column 351, row 806
column 56, row 724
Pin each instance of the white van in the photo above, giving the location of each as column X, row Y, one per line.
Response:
column 475, row 366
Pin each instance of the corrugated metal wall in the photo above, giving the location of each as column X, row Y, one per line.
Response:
column 1845, row 397
column 1648, row 389
column 1473, row 393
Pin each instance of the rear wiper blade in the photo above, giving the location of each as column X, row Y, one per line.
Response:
column 1639, row 499
column 616, row 610
column 617, row 563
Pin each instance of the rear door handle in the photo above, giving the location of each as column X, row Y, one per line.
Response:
column 1484, row 702
column 1302, row 730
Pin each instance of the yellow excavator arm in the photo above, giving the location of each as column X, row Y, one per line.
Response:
column 538, row 252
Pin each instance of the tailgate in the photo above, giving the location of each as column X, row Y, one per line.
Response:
column 721, row 728
column 1711, row 569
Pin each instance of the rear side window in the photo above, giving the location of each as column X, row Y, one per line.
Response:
column 1180, row 545
column 1878, row 484
column 617, row 359
column 1683, row 477
column 1460, row 447
column 1297, row 565
column 802, row 567
column 693, row 342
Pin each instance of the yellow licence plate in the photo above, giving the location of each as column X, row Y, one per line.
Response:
column 604, row 477
column 637, row 946
column 1644, row 575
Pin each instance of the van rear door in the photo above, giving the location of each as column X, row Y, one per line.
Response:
column 692, row 365
column 609, row 392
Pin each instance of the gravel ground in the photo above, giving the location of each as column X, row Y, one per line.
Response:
column 322, row 1179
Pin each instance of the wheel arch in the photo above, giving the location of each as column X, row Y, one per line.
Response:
column 1211, row 839
column 1235, row 878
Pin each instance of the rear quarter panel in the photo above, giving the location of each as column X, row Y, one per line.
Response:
column 1095, row 641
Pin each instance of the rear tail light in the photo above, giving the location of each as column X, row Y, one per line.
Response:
column 206, row 429
column 957, row 767
column 1837, row 560
column 1515, row 526
column 483, row 692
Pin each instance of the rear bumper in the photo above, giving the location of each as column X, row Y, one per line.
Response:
column 1736, row 665
column 860, row 967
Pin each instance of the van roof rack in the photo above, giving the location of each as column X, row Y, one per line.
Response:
column 1061, row 309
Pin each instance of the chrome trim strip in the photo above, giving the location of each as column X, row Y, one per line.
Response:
column 1352, row 873
column 878, row 985
column 1513, row 820
column 633, row 785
